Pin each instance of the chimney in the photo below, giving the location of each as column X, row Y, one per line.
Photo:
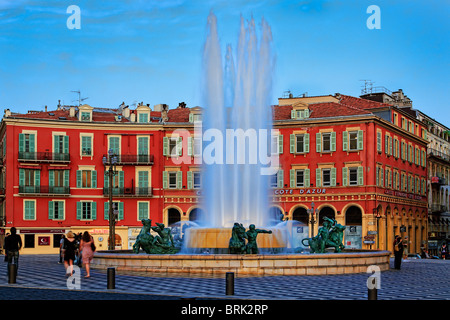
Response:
column 7, row 112
column 133, row 117
column 72, row 111
column 126, row 112
column 45, row 109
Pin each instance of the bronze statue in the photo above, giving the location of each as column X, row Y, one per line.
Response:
column 237, row 241
column 330, row 235
column 161, row 244
column 252, row 233
column 238, row 235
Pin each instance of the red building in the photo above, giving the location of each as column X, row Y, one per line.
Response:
column 360, row 161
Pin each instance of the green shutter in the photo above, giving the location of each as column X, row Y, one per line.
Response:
column 333, row 177
column 121, row 213
column 94, row 210
column 61, row 210
column 292, row 178
column 180, row 146
column 79, row 210
column 106, row 211
column 318, row 178
column 190, row 147
column 390, row 145
column 292, row 114
column 37, row 178
column 93, row 179
column 121, row 179
column 66, row 144
column 307, row 180
column 179, row 179
column 345, row 140
column 106, row 180
column 360, row 140
column 32, row 139
column 166, row 146
column 379, row 149
column 21, row 177
column 51, row 178
column 280, row 178
column 143, row 210
column 360, row 176
column 306, row 142
column 344, row 176
column 386, row 144
column 190, row 182
column 165, row 180
column 21, row 142
column 79, row 184
column 318, row 142
column 292, row 143
column 66, row 178
column 333, row 141
column 280, row 144
column 51, row 214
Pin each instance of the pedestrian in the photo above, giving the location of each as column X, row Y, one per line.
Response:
column 444, row 251
column 398, row 252
column 61, row 248
column 69, row 252
column 12, row 245
column 87, row 248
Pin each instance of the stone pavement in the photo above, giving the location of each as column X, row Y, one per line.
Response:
column 40, row 277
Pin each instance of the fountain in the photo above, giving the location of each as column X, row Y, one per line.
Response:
column 237, row 95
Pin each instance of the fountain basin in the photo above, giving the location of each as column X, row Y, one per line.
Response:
column 251, row 264
column 219, row 238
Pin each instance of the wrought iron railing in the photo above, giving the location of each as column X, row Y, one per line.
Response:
column 129, row 192
column 44, row 190
column 44, row 156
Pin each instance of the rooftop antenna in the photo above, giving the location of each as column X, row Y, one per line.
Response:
column 79, row 97
column 368, row 86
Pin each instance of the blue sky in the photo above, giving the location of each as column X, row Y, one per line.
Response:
column 151, row 50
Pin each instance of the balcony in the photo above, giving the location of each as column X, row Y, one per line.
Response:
column 130, row 159
column 128, row 192
column 437, row 208
column 438, row 180
column 50, row 157
column 44, row 190
column 438, row 154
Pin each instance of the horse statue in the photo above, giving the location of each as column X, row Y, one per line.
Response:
column 330, row 235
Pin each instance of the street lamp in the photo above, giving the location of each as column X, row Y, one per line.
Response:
column 378, row 217
column 111, row 161
column 312, row 218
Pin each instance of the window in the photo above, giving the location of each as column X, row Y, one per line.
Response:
column 353, row 140
column 277, row 180
column 274, row 180
column 379, row 146
column 143, row 180
column 86, row 179
column 85, row 116
column 56, row 210
column 29, row 210
column 27, row 146
column 300, row 114
column 300, row 178
column 299, row 143
column 114, row 145
column 197, row 180
column 86, row 145
column 29, row 241
column 57, row 180
column 143, row 151
column 194, row 146
column 117, row 208
column 326, row 142
column 172, row 146
column 353, row 176
column 29, row 181
column 143, row 117
column 326, row 177
column 142, row 210
column 86, row 210
column 172, row 180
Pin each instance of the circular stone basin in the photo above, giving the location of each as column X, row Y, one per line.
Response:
column 219, row 238
column 245, row 264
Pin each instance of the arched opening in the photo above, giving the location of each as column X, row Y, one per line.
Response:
column 196, row 214
column 301, row 214
column 353, row 230
column 173, row 216
column 276, row 214
column 118, row 241
column 326, row 212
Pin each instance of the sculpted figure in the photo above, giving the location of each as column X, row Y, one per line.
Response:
column 252, row 233
column 144, row 240
column 161, row 244
column 237, row 241
column 329, row 235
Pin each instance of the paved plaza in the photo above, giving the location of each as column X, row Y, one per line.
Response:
column 40, row 277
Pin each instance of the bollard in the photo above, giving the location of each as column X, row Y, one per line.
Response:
column 12, row 273
column 229, row 291
column 372, row 294
column 111, row 276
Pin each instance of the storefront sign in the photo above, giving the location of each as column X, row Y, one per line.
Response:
column 43, row 241
column 300, row 191
column 100, row 231
column 403, row 195
column 42, row 231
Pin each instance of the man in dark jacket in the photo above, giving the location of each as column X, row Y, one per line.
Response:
column 398, row 252
column 13, row 243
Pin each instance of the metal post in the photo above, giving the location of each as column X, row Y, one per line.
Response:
column 372, row 294
column 111, row 278
column 12, row 273
column 229, row 291
column 112, row 232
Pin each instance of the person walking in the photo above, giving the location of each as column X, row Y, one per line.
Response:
column 61, row 248
column 87, row 251
column 398, row 252
column 69, row 252
column 444, row 251
column 12, row 245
